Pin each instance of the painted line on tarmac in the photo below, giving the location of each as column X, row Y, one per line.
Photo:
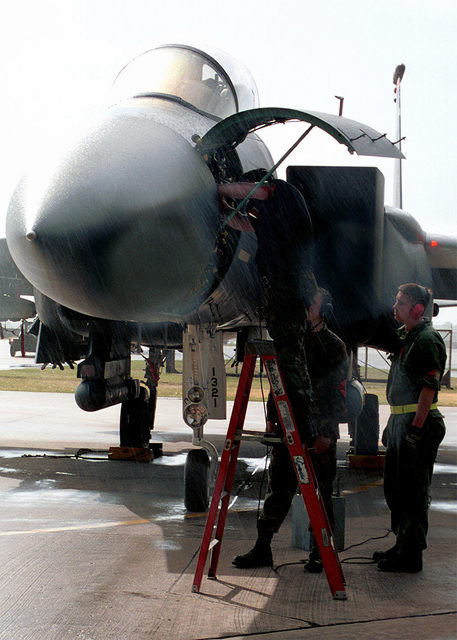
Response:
column 363, row 487
column 83, row 527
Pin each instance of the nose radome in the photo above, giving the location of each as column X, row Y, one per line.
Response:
column 123, row 226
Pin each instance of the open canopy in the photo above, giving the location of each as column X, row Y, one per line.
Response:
column 357, row 137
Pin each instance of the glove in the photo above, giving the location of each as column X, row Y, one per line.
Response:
column 321, row 444
column 414, row 437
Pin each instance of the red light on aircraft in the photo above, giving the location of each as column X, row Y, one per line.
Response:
column 433, row 243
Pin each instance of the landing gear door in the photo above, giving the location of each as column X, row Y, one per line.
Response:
column 204, row 384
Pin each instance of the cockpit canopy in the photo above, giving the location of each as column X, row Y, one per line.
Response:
column 211, row 82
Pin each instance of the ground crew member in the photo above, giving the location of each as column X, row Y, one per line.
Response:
column 281, row 221
column 415, row 428
column 328, row 366
column 284, row 258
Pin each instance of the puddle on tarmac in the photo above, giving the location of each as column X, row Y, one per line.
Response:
column 167, row 545
column 445, row 506
column 178, row 460
column 5, row 470
column 444, row 468
column 32, row 453
column 45, row 494
column 254, row 464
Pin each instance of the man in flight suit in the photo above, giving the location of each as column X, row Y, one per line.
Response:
column 415, row 428
column 282, row 224
column 283, row 228
column 327, row 366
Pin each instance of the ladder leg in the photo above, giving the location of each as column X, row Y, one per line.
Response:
column 225, row 501
column 306, row 480
column 322, row 532
column 226, row 473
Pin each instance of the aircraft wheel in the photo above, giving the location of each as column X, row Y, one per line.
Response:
column 196, row 486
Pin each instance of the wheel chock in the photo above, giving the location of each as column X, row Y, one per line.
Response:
column 355, row 461
column 133, row 454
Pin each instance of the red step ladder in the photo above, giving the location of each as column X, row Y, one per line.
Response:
column 301, row 460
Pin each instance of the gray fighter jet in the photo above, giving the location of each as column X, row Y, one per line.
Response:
column 128, row 239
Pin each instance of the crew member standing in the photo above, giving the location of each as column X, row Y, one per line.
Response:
column 327, row 365
column 415, row 429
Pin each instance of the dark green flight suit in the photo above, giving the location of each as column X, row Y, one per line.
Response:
column 284, row 260
column 419, row 361
column 328, row 366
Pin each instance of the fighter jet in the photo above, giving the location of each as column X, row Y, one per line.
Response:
column 130, row 237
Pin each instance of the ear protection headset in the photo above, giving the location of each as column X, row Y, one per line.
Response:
column 327, row 303
column 418, row 309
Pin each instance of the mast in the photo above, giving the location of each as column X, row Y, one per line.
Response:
column 398, row 186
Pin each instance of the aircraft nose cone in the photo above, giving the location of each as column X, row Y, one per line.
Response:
column 122, row 226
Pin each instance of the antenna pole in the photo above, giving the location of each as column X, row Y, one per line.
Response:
column 398, row 177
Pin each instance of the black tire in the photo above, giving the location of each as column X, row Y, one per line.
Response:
column 135, row 425
column 367, row 441
column 12, row 351
column 196, row 485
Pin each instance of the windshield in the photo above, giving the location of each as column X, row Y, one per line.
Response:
column 192, row 75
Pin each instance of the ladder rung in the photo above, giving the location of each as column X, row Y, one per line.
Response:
column 260, row 348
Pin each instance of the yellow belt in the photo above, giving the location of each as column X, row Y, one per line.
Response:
column 408, row 408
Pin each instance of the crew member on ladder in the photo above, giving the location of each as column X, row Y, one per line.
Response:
column 415, row 429
column 327, row 364
column 284, row 258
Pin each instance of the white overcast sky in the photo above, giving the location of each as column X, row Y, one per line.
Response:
column 59, row 58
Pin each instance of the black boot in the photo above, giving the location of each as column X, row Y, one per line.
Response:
column 383, row 555
column 402, row 562
column 314, row 562
column 259, row 556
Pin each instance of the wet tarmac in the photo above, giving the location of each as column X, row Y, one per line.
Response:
column 96, row 549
